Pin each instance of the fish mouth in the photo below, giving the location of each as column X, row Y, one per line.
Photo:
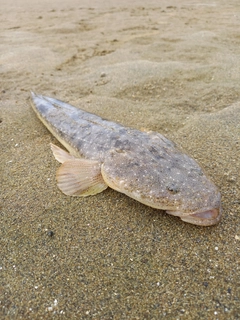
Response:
column 204, row 218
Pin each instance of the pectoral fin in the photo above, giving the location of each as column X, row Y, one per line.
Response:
column 60, row 154
column 80, row 177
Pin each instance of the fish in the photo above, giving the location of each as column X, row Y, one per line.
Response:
column 143, row 165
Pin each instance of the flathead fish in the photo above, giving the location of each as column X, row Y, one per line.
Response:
column 146, row 166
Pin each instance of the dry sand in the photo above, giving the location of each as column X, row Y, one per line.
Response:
column 170, row 66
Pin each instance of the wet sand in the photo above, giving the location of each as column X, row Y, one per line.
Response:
column 166, row 66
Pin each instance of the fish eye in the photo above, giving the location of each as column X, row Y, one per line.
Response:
column 173, row 188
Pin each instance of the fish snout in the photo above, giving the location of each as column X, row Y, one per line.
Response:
column 205, row 218
column 208, row 217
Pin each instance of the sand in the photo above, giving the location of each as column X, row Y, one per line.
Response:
column 172, row 67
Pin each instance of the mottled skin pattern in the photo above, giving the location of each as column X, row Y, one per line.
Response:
column 144, row 165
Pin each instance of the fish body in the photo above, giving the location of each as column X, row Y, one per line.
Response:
column 143, row 165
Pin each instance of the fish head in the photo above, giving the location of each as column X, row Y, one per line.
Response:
column 199, row 200
column 174, row 183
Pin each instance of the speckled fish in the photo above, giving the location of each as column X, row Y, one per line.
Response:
column 146, row 166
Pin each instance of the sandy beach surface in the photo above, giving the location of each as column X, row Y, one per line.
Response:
column 168, row 66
